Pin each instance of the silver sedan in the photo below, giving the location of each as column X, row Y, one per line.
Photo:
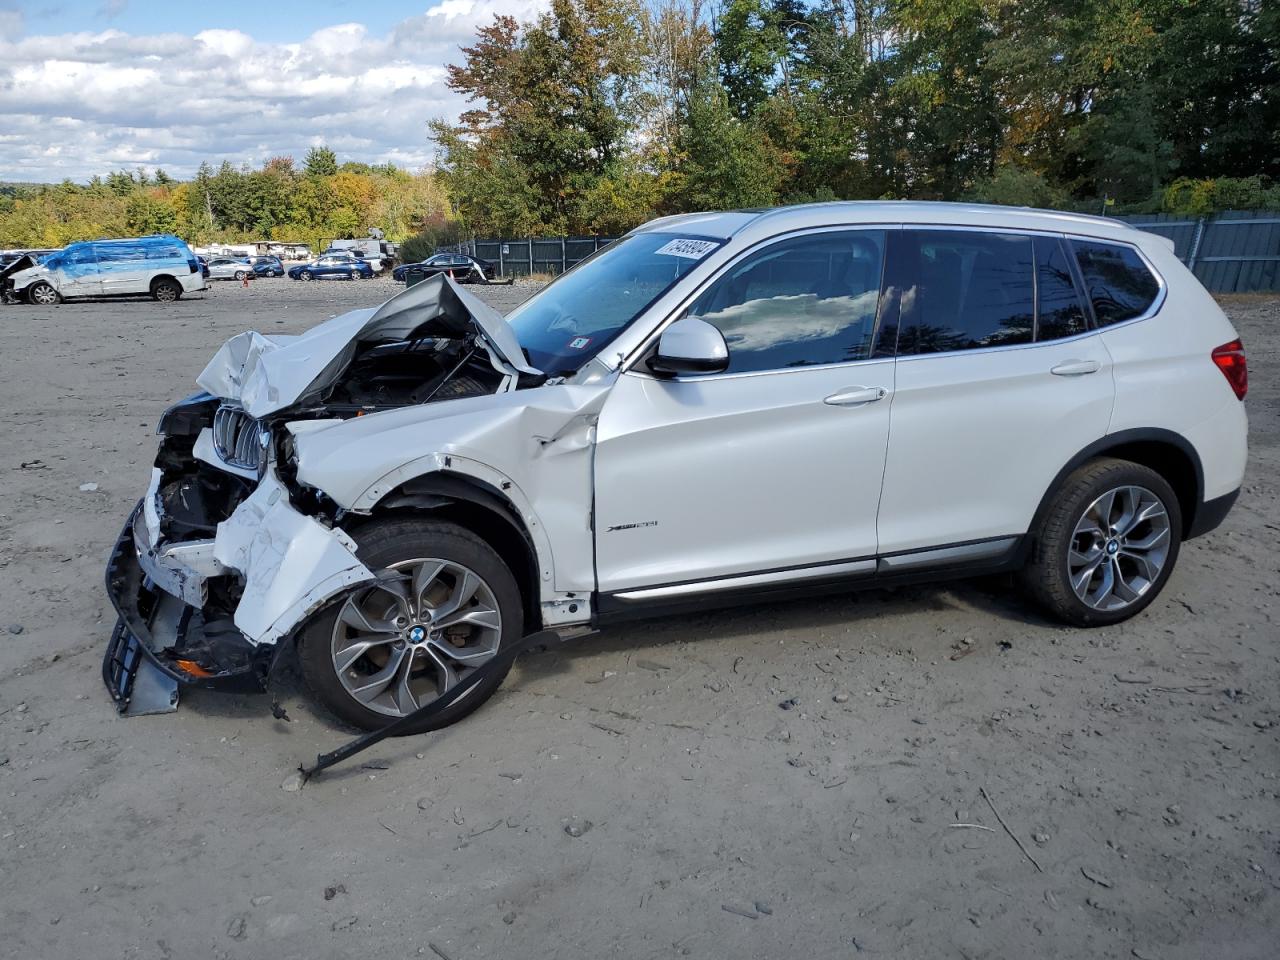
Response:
column 229, row 268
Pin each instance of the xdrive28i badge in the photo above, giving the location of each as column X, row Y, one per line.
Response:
column 631, row 526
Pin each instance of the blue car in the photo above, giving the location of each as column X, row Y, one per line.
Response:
column 332, row 267
column 267, row 266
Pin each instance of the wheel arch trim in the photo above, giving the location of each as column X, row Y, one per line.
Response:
column 434, row 481
column 1116, row 444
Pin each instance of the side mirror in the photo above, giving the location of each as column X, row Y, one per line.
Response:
column 690, row 345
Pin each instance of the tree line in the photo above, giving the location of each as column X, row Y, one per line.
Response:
column 321, row 200
column 600, row 114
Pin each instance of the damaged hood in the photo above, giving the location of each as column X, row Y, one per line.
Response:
column 265, row 374
column 23, row 270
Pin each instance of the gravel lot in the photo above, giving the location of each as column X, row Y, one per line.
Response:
column 1138, row 765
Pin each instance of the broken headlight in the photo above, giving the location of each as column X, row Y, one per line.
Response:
column 188, row 417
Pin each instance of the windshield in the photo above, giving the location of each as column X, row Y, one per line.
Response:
column 571, row 319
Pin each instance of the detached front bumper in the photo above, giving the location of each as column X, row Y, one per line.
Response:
column 283, row 565
column 159, row 639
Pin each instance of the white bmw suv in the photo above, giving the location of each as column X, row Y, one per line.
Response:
column 716, row 409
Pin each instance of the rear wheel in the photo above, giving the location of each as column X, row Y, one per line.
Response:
column 43, row 294
column 445, row 605
column 353, row 275
column 1107, row 544
column 166, row 290
column 240, row 275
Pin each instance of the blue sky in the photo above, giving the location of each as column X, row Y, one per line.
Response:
column 268, row 21
column 90, row 86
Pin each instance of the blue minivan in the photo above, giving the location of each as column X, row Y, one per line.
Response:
column 161, row 265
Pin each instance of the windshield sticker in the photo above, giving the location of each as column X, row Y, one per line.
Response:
column 579, row 343
column 689, row 249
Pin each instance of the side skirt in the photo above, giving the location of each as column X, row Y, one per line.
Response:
column 950, row 562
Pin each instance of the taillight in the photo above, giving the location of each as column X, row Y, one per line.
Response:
column 1230, row 360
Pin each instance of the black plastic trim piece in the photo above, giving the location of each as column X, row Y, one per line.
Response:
column 1210, row 514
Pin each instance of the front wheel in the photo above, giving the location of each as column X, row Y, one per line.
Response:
column 445, row 604
column 353, row 275
column 43, row 294
column 307, row 275
column 1107, row 544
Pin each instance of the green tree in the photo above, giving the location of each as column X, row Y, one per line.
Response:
column 561, row 97
column 321, row 162
column 730, row 162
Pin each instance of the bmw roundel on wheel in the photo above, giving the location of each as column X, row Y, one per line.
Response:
column 408, row 492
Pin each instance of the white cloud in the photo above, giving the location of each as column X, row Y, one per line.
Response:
column 79, row 104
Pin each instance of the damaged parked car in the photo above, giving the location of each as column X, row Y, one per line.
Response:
column 716, row 409
column 161, row 266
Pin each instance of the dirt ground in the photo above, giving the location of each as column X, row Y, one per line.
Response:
column 1137, row 765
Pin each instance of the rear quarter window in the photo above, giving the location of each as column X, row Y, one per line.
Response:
column 1117, row 281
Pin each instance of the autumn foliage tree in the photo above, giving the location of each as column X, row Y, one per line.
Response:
column 229, row 204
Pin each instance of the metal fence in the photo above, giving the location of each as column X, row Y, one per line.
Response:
column 530, row 255
column 1236, row 251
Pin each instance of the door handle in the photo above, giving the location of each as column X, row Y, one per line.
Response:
column 856, row 396
column 1076, row 368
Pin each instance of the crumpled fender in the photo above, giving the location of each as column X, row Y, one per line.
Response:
column 535, row 446
column 291, row 564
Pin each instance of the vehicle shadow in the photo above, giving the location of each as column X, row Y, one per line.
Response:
column 875, row 609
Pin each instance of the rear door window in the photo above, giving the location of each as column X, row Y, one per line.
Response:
column 801, row 302
column 1117, row 281
column 1059, row 312
column 970, row 291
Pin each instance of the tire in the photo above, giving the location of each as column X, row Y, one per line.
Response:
column 307, row 275
column 165, row 290
column 1085, row 538
column 42, row 294
column 240, row 275
column 396, row 544
column 353, row 275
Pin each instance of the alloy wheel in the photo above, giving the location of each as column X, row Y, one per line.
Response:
column 1119, row 548
column 400, row 644
column 44, row 295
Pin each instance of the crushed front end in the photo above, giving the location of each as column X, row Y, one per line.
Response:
column 214, row 567
column 227, row 554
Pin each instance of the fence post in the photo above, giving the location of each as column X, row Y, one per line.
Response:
column 502, row 266
column 1195, row 245
column 563, row 265
column 530, row 242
